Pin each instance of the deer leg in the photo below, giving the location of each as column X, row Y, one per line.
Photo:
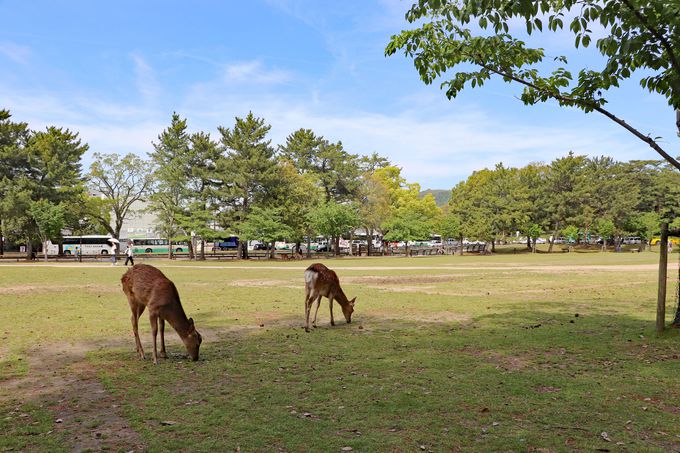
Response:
column 330, row 302
column 308, row 308
column 318, row 303
column 153, row 317
column 137, row 311
column 163, row 354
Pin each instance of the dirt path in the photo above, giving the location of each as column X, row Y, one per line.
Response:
column 89, row 417
column 457, row 267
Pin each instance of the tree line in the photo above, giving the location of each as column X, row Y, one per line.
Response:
column 202, row 187
column 572, row 196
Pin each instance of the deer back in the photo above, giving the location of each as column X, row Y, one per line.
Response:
column 322, row 280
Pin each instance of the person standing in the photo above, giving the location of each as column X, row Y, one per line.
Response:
column 129, row 255
column 113, row 254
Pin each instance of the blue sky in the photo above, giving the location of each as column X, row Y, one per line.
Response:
column 115, row 72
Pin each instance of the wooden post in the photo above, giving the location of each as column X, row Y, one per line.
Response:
column 663, row 269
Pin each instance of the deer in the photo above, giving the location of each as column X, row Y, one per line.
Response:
column 323, row 282
column 145, row 286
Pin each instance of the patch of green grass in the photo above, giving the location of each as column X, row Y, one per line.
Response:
column 509, row 353
column 28, row 427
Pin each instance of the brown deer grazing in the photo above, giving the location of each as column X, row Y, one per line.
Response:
column 145, row 286
column 319, row 282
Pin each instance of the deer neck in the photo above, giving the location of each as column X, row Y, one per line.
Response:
column 341, row 297
column 179, row 321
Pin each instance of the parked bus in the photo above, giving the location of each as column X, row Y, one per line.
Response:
column 153, row 245
column 91, row 245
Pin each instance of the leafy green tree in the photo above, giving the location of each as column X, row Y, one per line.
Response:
column 408, row 224
column 450, row 225
column 266, row 225
column 49, row 219
column 534, row 231
column 297, row 194
column 46, row 167
column 122, row 181
column 570, row 233
column 606, row 229
column 13, row 164
column 247, row 171
column 635, row 36
column 333, row 219
column 564, row 191
column 168, row 197
column 200, row 171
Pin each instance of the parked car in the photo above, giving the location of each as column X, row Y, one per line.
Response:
column 632, row 240
column 260, row 246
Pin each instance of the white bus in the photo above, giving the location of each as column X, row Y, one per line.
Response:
column 91, row 245
column 153, row 245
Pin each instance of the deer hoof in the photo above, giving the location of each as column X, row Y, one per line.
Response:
column 332, row 323
column 163, row 355
column 306, row 329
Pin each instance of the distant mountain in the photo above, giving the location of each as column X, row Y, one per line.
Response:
column 441, row 196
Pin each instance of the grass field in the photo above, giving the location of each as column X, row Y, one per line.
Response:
column 497, row 353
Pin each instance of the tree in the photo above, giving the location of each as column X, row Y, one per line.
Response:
column 49, row 219
column 533, row 232
column 333, row 219
column 636, row 35
column 45, row 167
column 406, row 225
column 168, row 196
column 266, row 225
column 564, row 192
column 200, row 171
column 247, row 171
column 122, row 181
column 13, row 159
column 297, row 194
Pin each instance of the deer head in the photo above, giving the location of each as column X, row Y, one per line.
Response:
column 348, row 309
column 192, row 341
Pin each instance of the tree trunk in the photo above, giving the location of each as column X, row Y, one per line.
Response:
column 272, row 248
column 337, row 245
column 529, row 243
column 202, row 249
column 191, row 249
column 663, row 270
column 493, row 245
column 460, row 244
column 406, row 248
column 309, row 246
column 29, row 249
column 44, row 244
column 676, row 320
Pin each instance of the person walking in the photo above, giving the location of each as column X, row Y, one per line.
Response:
column 129, row 256
column 113, row 254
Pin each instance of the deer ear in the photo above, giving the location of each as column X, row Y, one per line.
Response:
column 191, row 321
column 353, row 301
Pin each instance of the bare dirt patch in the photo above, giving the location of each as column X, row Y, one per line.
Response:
column 400, row 280
column 500, row 361
column 89, row 416
column 263, row 282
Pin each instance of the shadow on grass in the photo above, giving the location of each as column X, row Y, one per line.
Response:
column 526, row 380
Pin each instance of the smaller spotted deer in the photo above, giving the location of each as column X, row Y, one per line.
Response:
column 323, row 282
column 145, row 286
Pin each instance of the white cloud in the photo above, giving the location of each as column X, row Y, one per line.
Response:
column 18, row 54
column 253, row 72
column 145, row 78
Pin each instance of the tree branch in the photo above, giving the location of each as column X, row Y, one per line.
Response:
column 664, row 42
column 611, row 116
